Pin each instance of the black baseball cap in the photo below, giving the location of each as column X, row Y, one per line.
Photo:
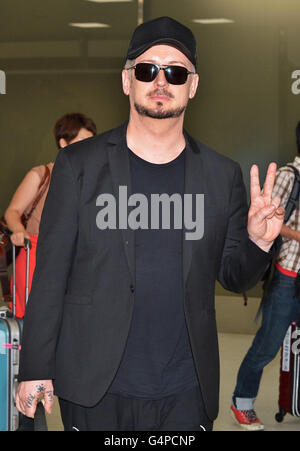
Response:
column 163, row 30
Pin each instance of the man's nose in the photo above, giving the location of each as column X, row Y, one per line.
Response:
column 160, row 80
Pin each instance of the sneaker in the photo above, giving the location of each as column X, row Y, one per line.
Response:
column 247, row 419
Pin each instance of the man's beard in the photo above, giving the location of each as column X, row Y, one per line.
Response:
column 158, row 113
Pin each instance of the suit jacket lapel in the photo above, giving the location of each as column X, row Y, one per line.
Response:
column 194, row 184
column 120, row 170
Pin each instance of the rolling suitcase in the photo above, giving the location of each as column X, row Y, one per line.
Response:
column 10, row 345
column 289, row 382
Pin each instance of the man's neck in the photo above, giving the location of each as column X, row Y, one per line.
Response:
column 156, row 140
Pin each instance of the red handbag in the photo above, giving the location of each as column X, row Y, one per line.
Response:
column 5, row 243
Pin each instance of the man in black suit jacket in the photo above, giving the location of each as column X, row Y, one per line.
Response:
column 121, row 318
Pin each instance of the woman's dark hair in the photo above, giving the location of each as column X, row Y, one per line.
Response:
column 68, row 126
column 298, row 136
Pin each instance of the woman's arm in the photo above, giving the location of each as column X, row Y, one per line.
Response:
column 292, row 234
column 23, row 197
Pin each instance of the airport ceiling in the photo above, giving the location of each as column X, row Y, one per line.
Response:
column 40, row 29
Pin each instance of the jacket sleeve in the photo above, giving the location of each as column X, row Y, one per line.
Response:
column 243, row 262
column 56, row 244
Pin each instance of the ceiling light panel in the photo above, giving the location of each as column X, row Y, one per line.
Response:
column 109, row 1
column 213, row 21
column 89, row 25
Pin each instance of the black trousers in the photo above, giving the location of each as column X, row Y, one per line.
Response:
column 181, row 412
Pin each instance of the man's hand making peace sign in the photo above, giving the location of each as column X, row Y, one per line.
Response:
column 266, row 215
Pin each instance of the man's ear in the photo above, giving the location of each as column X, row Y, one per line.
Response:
column 126, row 81
column 194, row 86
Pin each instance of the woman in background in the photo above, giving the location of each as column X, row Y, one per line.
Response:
column 29, row 198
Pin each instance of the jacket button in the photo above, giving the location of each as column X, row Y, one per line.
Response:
column 132, row 288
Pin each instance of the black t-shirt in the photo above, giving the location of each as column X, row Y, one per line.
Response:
column 157, row 361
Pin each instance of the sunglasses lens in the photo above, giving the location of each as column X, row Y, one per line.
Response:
column 145, row 72
column 176, row 75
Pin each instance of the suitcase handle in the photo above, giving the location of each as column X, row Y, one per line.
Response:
column 27, row 243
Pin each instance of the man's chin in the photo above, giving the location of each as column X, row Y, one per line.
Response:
column 158, row 113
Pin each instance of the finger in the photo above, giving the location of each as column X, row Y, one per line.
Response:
column 266, row 213
column 254, row 182
column 48, row 401
column 270, row 180
column 30, row 412
column 280, row 212
column 20, row 405
column 30, row 405
column 276, row 201
column 17, row 240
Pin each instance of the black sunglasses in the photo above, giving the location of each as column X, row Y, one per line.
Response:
column 147, row 72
